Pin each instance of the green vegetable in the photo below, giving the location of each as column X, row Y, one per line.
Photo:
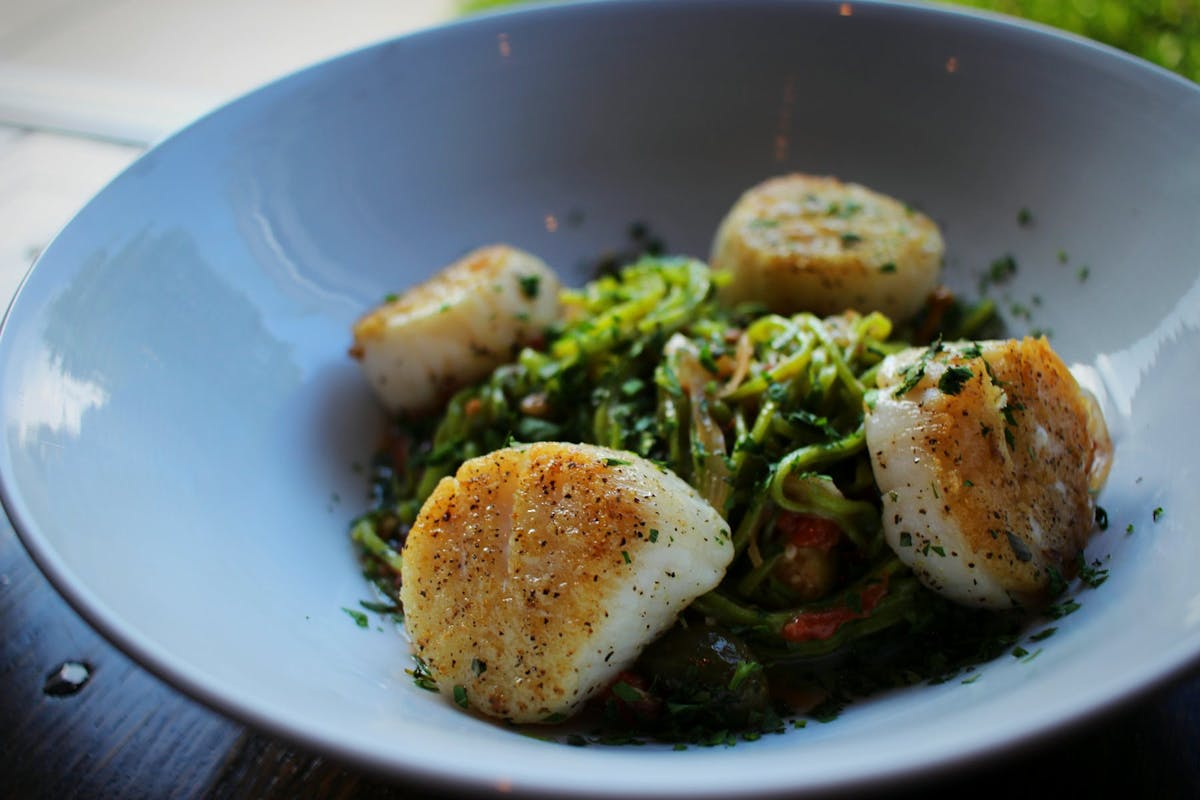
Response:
column 954, row 378
column 999, row 272
column 529, row 285
column 707, row 679
column 763, row 414
column 360, row 619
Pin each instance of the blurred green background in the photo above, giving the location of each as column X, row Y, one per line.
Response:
column 1166, row 32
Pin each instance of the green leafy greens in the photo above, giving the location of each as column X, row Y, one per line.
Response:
column 763, row 415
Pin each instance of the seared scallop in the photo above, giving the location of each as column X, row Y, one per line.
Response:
column 989, row 456
column 806, row 243
column 456, row 327
column 537, row 573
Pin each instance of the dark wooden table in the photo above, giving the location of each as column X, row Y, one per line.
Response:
column 127, row 734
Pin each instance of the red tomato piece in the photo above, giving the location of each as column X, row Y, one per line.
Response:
column 821, row 624
column 817, row 625
column 806, row 530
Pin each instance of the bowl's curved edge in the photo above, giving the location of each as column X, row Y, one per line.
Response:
column 155, row 661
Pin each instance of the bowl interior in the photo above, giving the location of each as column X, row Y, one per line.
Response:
column 184, row 433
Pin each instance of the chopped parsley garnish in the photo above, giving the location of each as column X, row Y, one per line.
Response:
column 987, row 366
column 616, row 462
column 1000, row 271
column 625, row 557
column 1008, row 411
column 820, row 423
column 460, row 696
column 849, row 239
column 380, row 608
column 914, row 372
column 1058, row 584
column 1102, row 518
column 654, row 534
column 530, row 285
column 1024, row 217
column 1091, row 574
column 360, row 619
column 888, row 267
column 1062, row 609
column 954, row 378
column 1157, row 514
column 1043, row 634
column 420, row 675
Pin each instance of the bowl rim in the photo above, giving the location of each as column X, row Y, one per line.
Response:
column 162, row 665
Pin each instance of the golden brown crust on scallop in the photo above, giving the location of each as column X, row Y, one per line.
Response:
column 808, row 243
column 514, row 565
column 1015, row 454
column 455, row 328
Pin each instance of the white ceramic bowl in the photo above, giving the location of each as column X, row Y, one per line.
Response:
column 181, row 421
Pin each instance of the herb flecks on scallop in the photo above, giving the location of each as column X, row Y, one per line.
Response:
column 989, row 462
column 832, row 510
column 810, row 243
column 538, row 560
column 474, row 315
